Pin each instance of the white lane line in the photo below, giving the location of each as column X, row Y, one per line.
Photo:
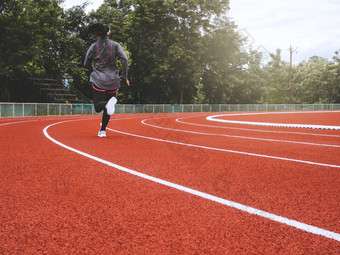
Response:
column 67, row 118
column 236, row 136
column 273, row 217
column 269, row 124
column 16, row 122
column 179, row 120
column 42, row 118
column 226, row 150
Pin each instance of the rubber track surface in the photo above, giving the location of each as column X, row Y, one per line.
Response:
column 55, row 201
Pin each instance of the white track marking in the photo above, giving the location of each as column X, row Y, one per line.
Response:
column 39, row 118
column 236, row 136
column 226, row 150
column 67, row 118
column 16, row 122
column 273, row 217
column 215, row 118
column 249, row 129
column 275, row 113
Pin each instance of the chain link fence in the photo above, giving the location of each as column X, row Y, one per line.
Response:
column 39, row 109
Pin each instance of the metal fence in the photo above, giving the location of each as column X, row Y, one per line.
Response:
column 39, row 109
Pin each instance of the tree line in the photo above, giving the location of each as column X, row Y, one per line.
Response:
column 180, row 51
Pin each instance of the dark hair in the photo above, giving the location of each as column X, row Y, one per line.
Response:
column 98, row 29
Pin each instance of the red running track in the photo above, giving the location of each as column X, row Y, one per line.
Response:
column 202, row 187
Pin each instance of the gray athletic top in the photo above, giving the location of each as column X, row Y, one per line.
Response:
column 103, row 54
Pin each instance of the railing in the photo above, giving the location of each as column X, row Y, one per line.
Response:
column 54, row 91
column 80, row 95
column 43, row 109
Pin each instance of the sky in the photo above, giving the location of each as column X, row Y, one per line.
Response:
column 311, row 27
column 93, row 4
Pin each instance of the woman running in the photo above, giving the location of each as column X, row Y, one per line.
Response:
column 101, row 60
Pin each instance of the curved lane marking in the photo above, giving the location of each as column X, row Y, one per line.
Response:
column 16, row 122
column 236, row 136
column 273, row 217
column 226, row 150
column 269, row 124
column 179, row 120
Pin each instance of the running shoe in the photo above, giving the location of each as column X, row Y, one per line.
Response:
column 110, row 106
column 102, row 133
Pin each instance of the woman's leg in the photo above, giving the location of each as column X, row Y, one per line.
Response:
column 105, row 120
column 99, row 100
column 106, row 117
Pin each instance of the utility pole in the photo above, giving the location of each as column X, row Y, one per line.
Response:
column 291, row 50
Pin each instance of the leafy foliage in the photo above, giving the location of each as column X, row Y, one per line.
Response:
column 316, row 81
column 179, row 52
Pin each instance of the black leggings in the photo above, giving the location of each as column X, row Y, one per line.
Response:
column 100, row 100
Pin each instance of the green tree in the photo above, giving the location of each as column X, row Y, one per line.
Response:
column 194, row 47
column 29, row 43
column 150, row 27
column 334, row 68
column 168, row 41
column 277, row 82
column 74, row 43
column 222, row 64
column 315, row 81
column 251, row 87
column 180, row 52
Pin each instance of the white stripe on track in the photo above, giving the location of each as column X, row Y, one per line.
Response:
column 226, row 150
column 236, row 136
column 16, row 122
column 41, row 118
column 273, row 217
column 269, row 124
column 255, row 130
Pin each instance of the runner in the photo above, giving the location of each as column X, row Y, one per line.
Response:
column 105, row 79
